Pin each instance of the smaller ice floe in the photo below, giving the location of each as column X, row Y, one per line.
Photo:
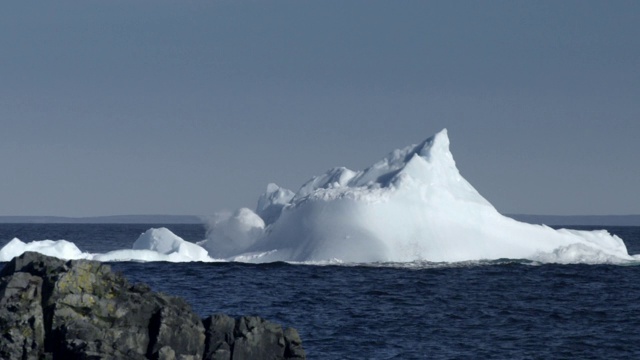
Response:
column 153, row 245
column 61, row 249
column 579, row 254
column 164, row 242
column 144, row 256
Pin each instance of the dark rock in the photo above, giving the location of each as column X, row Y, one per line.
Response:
column 91, row 310
column 219, row 335
column 55, row 309
column 178, row 328
column 33, row 263
column 249, row 337
column 293, row 345
column 256, row 338
column 164, row 353
column 21, row 317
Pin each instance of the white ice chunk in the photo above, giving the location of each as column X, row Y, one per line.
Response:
column 60, row 248
column 163, row 241
column 147, row 256
column 153, row 245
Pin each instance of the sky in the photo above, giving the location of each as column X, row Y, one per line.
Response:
column 193, row 107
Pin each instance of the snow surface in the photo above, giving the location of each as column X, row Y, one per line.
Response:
column 413, row 206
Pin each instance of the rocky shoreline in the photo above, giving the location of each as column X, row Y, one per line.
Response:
column 80, row 309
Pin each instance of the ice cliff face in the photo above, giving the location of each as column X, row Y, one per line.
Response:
column 411, row 205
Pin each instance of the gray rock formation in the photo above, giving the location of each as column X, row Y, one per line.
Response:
column 56, row 309
column 249, row 337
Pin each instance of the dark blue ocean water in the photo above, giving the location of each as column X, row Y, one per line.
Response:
column 489, row 310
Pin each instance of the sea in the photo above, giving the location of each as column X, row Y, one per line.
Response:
column 503, row 309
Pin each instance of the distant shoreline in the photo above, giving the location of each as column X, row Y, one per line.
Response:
column 603, row 220
column 115, row 219
column 551, row 220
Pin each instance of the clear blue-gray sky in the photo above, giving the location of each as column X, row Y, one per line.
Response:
column 191, row 107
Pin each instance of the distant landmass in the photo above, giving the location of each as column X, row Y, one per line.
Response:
column 551, row 220
column 555, row 220
column 116, row 219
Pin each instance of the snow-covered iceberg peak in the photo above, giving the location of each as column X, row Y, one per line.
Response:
column 418, row 161
column 411, row 205
column 428, row 165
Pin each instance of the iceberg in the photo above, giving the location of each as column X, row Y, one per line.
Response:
column 413, row 205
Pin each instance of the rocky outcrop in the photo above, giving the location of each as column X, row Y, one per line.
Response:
column 79, row 309
column 248, row 338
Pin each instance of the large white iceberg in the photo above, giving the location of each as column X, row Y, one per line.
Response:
column 412, row 205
